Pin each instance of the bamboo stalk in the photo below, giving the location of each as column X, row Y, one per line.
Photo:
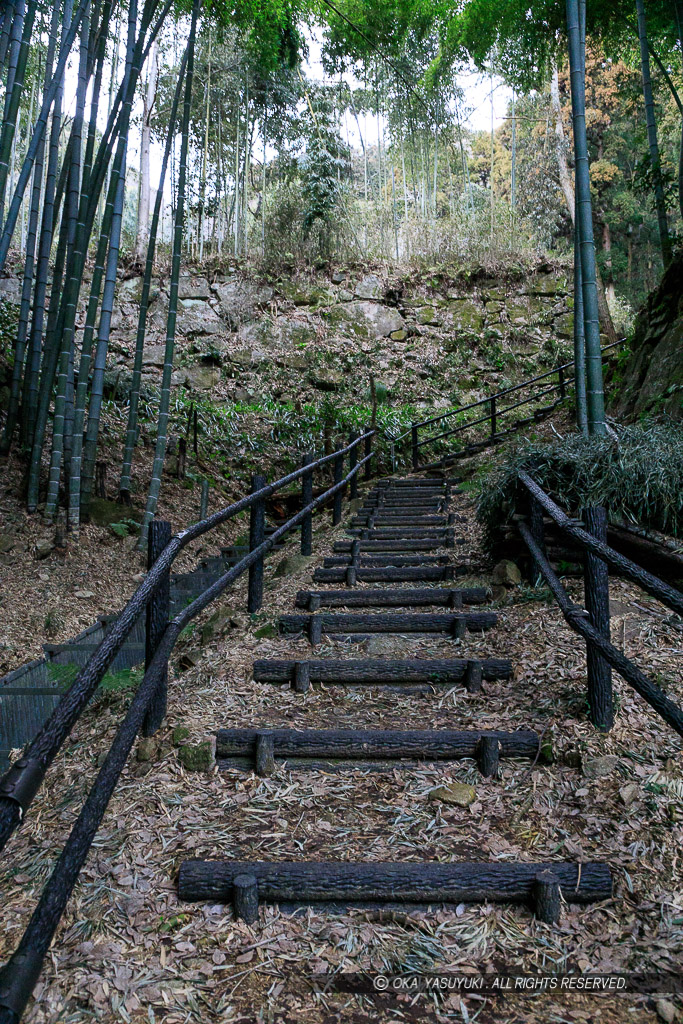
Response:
column 131, row 432
column 164, row 403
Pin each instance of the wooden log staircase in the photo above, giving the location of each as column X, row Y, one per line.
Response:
column 403, row 533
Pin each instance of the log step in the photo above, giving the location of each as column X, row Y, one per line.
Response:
column 400, row 511
column 405, row 501
column 382, row 671
column 381, row 597
column 343, row 883
column 258, row 749
column 369, row 522
column 368, row 561
column 403, row 533
column 395, row 574
column 407, row 498
column 415, row 485
column 350, row 623
column 420, row 481
column 399, row 546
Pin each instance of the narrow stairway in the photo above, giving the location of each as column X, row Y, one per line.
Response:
column 403, row 534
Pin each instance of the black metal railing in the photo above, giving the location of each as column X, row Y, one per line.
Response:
column 592, row 621
column 494, row 411
column 20, row 784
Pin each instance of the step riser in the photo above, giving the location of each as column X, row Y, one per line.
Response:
column 399, row 533
column 474, row 622
column 421, row 481
column 360, row 744
column 384, row 561
column 387, row 671
column 398, row 546
column 395, row 523
column 311, row 882
column 392, row 598
column 410, row 574
column 410, row 508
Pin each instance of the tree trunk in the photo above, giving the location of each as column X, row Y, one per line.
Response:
column 164, row 403
column 33, row 257
column 132, row 429
column 205, row 150
column 605, row 316
column 72, row 286
column 655, row 162
column 38, row 132
column 594, row 390
column 145, row 138
column 607, row 249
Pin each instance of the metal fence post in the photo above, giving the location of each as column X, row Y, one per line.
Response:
column 306, row 499
column 596, row 589
column 353, row 462
column 338, row 477
column 257, row 535
column 157, row 620
column 493, row 416
column 368, row 451
column 413, row 439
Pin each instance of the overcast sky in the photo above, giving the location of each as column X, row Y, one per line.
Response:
column 476, row 107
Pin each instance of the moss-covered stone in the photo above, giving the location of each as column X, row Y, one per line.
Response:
column 547, row 283
column 428, row 316
column 468, row 316
column 291, row 565
column 547, row 752
column 147, row 748
column 179, row 735
column 563, row 326
column 199, row 757
column 104, row 512
column 266, row 632
column 326, row 380
column 519, row 312
column 215, row 626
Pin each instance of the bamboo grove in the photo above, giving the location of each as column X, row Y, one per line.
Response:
column 65, row 156
column 51, row 373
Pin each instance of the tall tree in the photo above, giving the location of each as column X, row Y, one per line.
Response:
column 594, row 381
column 144, row 196
column 165, row 398
column 655, row 160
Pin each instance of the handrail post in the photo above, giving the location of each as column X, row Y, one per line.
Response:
column 338, row 477
column 596, row 589
column 257, row 535
column 414, row 439
column 538, row 533
column 368, row 451
column 306, row 499
column 493, row 416
column 204, row 501
column 561, row 381
column 158, row 610
column 353, row 462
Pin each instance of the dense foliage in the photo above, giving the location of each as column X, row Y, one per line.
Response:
column 265, row 162
column 637, row 476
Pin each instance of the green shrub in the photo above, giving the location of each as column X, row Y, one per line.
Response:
column 637, row 476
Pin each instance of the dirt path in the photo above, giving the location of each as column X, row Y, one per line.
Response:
column 129, row 950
